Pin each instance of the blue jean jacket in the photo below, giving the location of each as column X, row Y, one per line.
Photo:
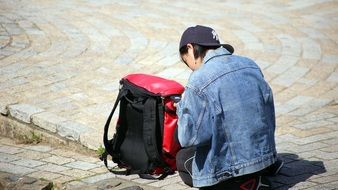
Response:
column 227, row 113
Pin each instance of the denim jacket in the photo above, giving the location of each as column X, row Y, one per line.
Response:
column 227, row 113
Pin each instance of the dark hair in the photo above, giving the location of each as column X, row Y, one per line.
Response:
column 199, row 51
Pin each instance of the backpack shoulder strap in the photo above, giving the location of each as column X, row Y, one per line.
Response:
column 108, row 143
column 106, row 127
column 149, row 135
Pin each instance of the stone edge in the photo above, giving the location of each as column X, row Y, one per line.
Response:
column 59, row 126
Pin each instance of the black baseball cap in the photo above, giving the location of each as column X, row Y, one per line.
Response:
column 204, row 36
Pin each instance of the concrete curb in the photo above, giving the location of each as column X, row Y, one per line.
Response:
column 52, row 123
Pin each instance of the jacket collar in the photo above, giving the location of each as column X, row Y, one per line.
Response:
column 215, row 53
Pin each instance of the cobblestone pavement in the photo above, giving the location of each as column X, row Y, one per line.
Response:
column 29, row 166
column 60, row 63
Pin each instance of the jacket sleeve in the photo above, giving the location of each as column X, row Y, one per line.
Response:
column 193, row 119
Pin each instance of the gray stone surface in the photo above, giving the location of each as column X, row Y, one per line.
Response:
column 81, row 165
column 7, row 157
column 12, row 181
column 23, row 112
column 71, row 130
column 39, row 148
column 98, row 178
column 15, row 169
column 59, row 72
column 47, row 120
column 28, row 163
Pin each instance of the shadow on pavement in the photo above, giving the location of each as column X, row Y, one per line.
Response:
column 295, row 171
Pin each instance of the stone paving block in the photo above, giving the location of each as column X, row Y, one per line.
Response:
column 39, row 148
column 23, row 112
column 312, row 33
column 81, row 165
column 111, row 87
column 71, row 49
column 331, row 148
column 71, row 130
column 142, row 181
column 303, row 148
column 65, row 153
column 13, row 181
column 47, row 120
column 98, row 178
column 316, row 124
column 169, row 60
column 249, row 26
column 34, row 155
column 45, row 175
column 170, row 73
column 286, row 138
column 92, row 140
column 330, row 141
column 326, row 179
column 75, row 184
column 166, row 182
column 332, row 59
column 285, row 108
column 10, row 149
column 8, row 157
column 315, row 138
column 328, row 186
column 4, row 102
column 290, row 46
column 99, row 170
column 58, row 160
column 303, row 185
column 79, row 174
column 64, row 179
column 284, row 63
column 290, row 76
column 263, row 64
column 331, row 165
column 28, row 163
column 15, row 169
column 52, row 168
column 316, row 103
column 326, row 155
column 333, row 77
column 311, row 49
column 246, row 37
column 175, row 186
column 129, row 177
column 299, row 100
column 317, row 116
column 85, row 158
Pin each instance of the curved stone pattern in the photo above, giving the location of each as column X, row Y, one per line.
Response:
column 66, row 57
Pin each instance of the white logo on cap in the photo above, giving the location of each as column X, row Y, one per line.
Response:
column 214, row 35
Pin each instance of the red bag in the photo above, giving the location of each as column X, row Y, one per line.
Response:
column 144, row 139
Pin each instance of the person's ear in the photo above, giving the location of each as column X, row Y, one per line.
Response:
column 190, row 48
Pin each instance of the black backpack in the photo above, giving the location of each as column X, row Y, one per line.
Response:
column 144, row 139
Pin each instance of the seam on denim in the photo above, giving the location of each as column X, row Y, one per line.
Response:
column 212, row 80
column 200, row 118
column 218, row 55
column 186, row 163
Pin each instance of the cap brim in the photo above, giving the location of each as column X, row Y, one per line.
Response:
column 229, row 48
column 226, row 46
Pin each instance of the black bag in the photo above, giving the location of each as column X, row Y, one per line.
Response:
column 143, row 142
